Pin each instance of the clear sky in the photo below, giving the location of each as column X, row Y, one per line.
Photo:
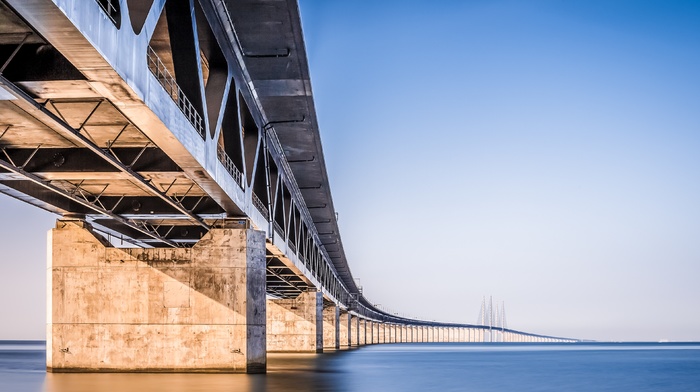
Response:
column 543, row 152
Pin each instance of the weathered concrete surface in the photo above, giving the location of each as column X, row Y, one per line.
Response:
column 331, row 326
column 362, row 332
column 344, row 329
column 295, row 325
column 353, row 335
column 155, row 310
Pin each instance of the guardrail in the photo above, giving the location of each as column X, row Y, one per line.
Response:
column 278, row 229
column 230, row 167
column 110, row 9
column 158, row 69
column 260, row 206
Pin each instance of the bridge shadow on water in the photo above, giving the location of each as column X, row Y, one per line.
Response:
column 286, row 373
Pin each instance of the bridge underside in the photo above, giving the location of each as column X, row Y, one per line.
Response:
column 66, row 148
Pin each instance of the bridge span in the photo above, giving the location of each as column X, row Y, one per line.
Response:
column 177, row 140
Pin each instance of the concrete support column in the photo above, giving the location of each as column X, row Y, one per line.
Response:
column 331, row 326
column 343, row 329
column 295, row 325
column 362, row 328
column 352, row 335
column 156, row 310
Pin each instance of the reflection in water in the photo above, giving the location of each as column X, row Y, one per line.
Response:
column 488, row 367
column 286, row 372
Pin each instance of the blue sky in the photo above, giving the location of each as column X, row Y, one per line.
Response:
column 543, row 152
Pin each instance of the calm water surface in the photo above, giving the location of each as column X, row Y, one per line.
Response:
column 401, row 367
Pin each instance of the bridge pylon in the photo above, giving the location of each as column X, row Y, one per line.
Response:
column 197, row 309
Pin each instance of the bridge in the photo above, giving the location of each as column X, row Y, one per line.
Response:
column 177, row 141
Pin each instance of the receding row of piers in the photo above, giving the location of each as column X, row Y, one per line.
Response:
column 199, row 309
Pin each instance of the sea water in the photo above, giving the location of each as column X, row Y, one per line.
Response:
column 640, row 367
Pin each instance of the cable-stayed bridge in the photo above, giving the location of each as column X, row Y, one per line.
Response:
column 177, row 140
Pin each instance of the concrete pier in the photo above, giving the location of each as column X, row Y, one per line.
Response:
column 295, row 325
column 353, row 328
column 156, row 310
column 331, row 326
column 362, row 332
column 344, row 323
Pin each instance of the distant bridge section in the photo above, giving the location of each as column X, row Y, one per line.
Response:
column 178, row 141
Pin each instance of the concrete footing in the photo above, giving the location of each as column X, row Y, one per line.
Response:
column 156, row 310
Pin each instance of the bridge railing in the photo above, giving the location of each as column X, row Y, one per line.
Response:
column 260, row 206
column 160, row 71
column 278, row 229
column 230, row 166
